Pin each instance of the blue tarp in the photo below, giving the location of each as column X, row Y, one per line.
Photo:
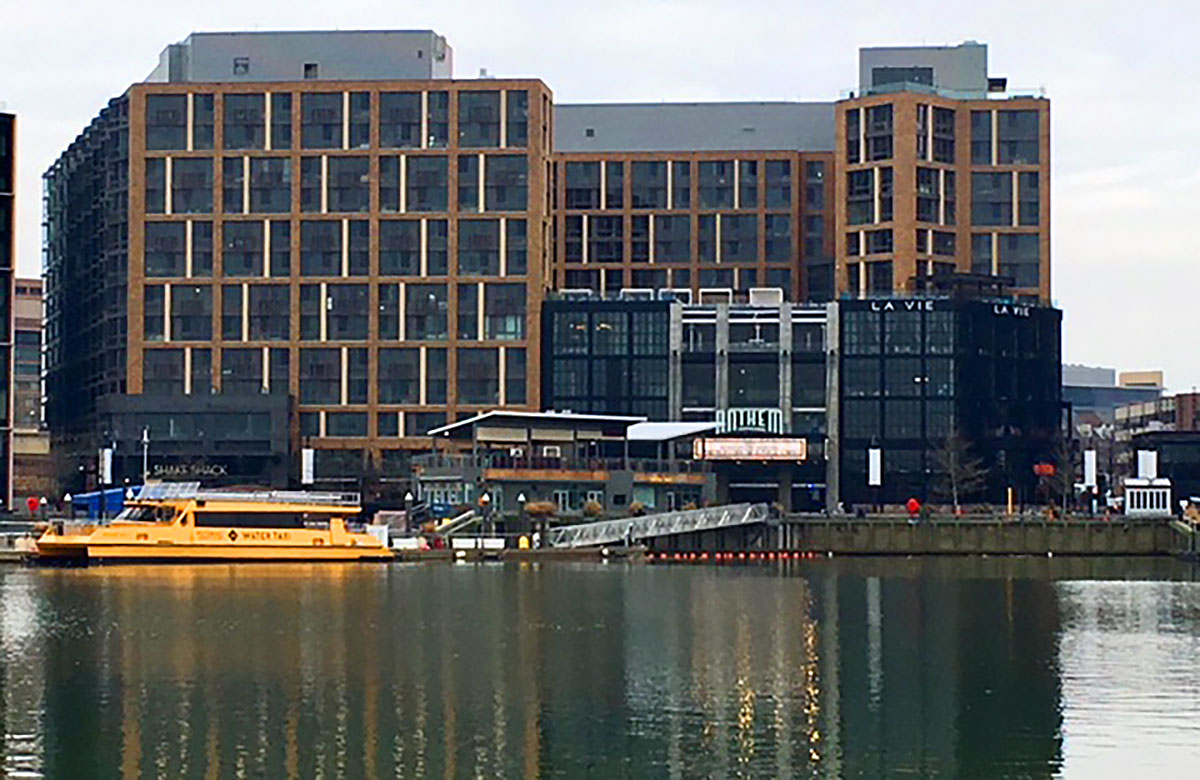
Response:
column 113, row 498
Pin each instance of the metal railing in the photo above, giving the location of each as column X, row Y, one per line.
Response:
column 500, row 461
column 666, row 524
column 192, row 490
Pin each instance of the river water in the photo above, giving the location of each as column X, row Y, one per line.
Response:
column 977, row 667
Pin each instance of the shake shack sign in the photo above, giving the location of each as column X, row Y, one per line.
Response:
column 176, row 470
column 747, row 420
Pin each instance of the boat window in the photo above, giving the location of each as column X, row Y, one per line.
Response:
column 147, row 514
column 207, row 519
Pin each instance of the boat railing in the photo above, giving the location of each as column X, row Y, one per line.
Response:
column 191, row 490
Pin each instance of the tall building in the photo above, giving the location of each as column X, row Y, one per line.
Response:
column 283, row 241
column 33, row 473
column 8, row 252
column 940, row 170
column 353, row 232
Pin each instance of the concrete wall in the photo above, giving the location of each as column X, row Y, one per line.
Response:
column 281, row 56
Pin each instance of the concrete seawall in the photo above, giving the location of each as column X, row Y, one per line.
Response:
column 898, row 536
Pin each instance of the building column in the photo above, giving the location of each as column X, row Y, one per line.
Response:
column 785, row 365
column 833, row 407
column 722, row 339
column 675, row 362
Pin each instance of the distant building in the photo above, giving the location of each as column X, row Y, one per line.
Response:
column 33, row 468
column 1094, row 393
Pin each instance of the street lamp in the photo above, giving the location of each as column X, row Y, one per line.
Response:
column 485, row 502
column 145, row 454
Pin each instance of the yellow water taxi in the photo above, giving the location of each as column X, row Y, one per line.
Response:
column 173, row 522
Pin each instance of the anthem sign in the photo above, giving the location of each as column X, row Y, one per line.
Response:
column 758, row 420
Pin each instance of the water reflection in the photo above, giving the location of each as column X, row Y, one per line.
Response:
column 832, row 668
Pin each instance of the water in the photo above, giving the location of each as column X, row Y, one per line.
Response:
column 852, row 668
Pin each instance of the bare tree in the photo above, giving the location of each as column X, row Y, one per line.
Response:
column 959, row 473
column 1060, row 486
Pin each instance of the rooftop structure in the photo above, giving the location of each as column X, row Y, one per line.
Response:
column 324, row 55
column 954, row 71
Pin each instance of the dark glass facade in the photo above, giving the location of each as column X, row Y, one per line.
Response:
column 607, row 357
column 912, row 372
column 7, row 260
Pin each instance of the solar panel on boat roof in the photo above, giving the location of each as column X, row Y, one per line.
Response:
column 190, row 490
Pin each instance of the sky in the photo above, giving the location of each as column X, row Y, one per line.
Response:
column 1122, row 79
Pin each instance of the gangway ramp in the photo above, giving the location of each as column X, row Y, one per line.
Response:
column 665, row 524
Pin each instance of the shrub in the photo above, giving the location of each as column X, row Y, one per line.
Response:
column 593, row 509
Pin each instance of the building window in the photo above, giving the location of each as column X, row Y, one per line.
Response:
column 754, row 384
column 399, row 375
column 320, row 375
column 388, row 424
column 321, row 120
column 949, row 195
column 879, row 132
column 606, row 240
column 191, row 313
column 349, row 184
column 879, row 242
column 747, row 184
column 779, row 185
column 739, row 238
column 639, row 238
column 991, row 199
column 389, row 183
column 202, row 121
column 270, row 185
column 672, row 238
column 514, row 376
column 922, row 132
column 312, row 185
column 192, row 185
column 478, row 376
column 1028, row 199
column 1020, row 257
column 438, row 120
column 421, row 423
column 468, row 312
column 321, row 248
column 516, row 117
column 779, row 238
column 400, row 120
column 1017, row 137
column 244, row 125
column 981, row 137
column 854, row 244
column 681, row 187
column 241, row 371
column 885, row 194
column 425, row 312
column 389, row 311
column 311, row 70
column 879, row 277
column 943, row 135
column 649, row 185
column 860, row 197
column 270, row 312
column 166, row 249
column 154, row 312
column 345, row 423
column 928, row 195
column 162, row 372
column 232, row 182
column 281, row 247
column 436, row 376
column 156, row 185
column 853, row 135
column 716, row 184
column 468, row 183
column 399, row 247
column 943, row 243
column 166, row 122
column 202, row 248
column 347, row 308
column 478, row 119
column 506, row 182
column 360, row 120
column 504, row 312
column 515, row 247
column 721, row 278
column 231, row 312
column 281, row 120
column 922, row 241
column 427, row 183
column 479, row 247
column 437, row 247
column 981, row 253
column 583, row 185
column 707, row 243
column 242, row 249
column 614, row 185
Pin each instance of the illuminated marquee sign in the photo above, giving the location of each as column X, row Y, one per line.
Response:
column 759, row 420
column 750, row 449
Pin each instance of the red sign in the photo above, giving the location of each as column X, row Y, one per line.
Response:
column 32, row 503
column 1044, row 469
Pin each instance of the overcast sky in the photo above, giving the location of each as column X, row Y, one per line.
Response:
column 1122, row 78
